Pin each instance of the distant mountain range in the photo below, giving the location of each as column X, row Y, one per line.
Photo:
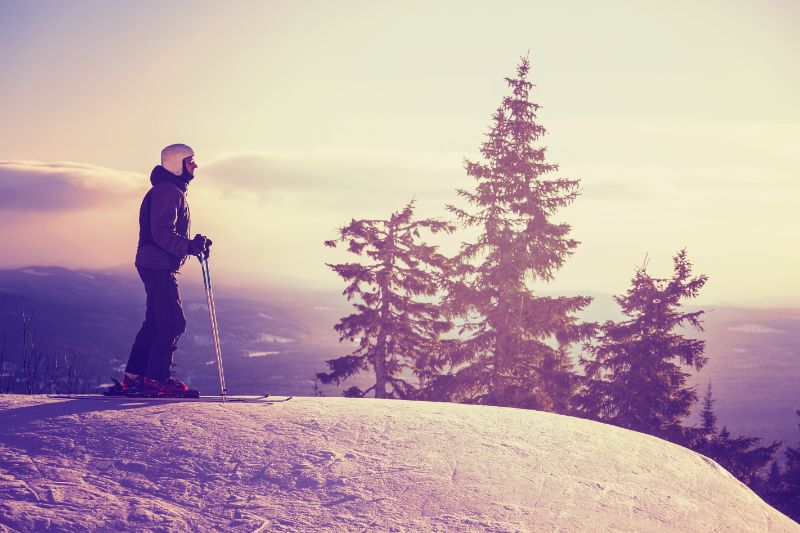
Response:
column 276, row 340
column 271, row 342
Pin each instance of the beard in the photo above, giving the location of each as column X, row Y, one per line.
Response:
column 186, row 176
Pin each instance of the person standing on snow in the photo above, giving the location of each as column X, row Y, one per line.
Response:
column 164, row 244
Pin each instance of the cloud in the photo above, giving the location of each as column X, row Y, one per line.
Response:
column 693, row 184
column 61, row 186
column 767, row 141
column 334, row 177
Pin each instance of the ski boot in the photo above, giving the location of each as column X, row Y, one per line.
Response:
column 132, row 386
column 175, row 388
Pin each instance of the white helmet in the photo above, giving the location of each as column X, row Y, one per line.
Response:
column 173, row 155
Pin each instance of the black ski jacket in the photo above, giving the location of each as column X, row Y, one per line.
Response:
column 164, row 222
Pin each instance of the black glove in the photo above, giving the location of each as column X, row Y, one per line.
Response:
column 207, row 251
column 197, row 245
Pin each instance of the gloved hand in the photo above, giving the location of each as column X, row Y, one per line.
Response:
column 197, row 245
column 207, row 251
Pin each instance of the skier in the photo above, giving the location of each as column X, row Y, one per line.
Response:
column 164, row 244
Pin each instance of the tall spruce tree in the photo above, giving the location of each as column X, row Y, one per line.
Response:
column 516, row 348
column 636, row 378
column 397, row 332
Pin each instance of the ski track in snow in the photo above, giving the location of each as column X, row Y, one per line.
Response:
column 334, row 464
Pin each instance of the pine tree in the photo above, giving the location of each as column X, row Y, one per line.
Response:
column 397, row 334
column 774, row 480
column 516, row 348
column 708, row 415
column 789, row 501
column 740, row 456
column 772, row 489
column 635, row 379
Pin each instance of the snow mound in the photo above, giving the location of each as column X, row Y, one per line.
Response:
column 335, row 464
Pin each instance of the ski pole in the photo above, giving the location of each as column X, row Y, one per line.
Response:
column 212, row 313
column 217, row 341
column 215, row 330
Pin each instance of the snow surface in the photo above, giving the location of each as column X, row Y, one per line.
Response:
column 335, row 464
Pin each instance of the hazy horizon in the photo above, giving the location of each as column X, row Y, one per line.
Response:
column 266, row 287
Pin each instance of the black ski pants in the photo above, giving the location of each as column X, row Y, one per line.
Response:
column 157, row 340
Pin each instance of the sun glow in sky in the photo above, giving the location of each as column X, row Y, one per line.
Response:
column 680, row 119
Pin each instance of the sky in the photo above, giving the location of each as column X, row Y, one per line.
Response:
column 680, row 119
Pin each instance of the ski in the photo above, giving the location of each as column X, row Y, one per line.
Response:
column 208, row 399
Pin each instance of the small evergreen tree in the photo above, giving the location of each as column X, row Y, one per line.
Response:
column 396, row 333
column 708, row 415
column 740, row 456
column 772, row 489
column 516, row 353
column 788, row 499
column 635, row 379
column 773, row 482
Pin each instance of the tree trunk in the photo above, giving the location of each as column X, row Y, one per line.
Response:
column 379, row 363
column 384, row 282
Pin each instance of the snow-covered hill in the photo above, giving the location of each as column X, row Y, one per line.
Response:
column 334, row 464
